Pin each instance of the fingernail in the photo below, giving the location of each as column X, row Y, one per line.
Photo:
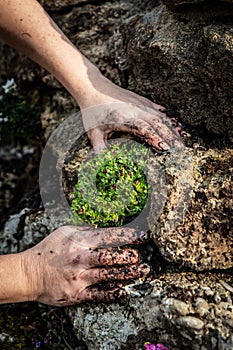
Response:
column 163, row 146
column 163, row 110
column 184, row 134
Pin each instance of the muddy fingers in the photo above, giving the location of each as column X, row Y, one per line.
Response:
column 107, row 296
column 100, row 275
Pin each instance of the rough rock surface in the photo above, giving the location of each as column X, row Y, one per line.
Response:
column 180, row 310
column 195, row 227
column 24, row 230
column 182, row 59
column 195, row 188
column 174, row 4
column 59, row 4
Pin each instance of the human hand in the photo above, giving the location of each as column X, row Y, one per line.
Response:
column 66, row 266
column 117, row 109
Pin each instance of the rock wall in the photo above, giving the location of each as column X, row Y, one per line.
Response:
column 182, row 58
column 179, row 54
column 195, row 227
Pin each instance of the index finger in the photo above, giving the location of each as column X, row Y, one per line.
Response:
column 115, row 236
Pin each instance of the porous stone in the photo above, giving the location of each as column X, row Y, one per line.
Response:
column 190, row 322
column 195, row 226
column 27, row 228
column 181, row 59
column 176, row 306
column 153, row 317
column 8, row 240
column 201, row 307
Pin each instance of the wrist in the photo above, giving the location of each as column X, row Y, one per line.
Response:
column 18, row 278
column 31, row 275
column 90, row 86
column 95, row 89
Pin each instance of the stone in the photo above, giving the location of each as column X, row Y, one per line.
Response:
column 176, row 4
column 201, row 307
column 27, row 228
column 193, row 201
column 195, row 226
column 190, row 322
column 9, row 243
column 147, row 318
column 176, row 306
column 182, row 60
column 60, row 4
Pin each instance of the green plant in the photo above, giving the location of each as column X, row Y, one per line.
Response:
column 112, row 188
column 19, row 117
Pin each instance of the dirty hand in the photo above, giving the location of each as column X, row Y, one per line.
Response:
column 117, row 109
column 68, row 264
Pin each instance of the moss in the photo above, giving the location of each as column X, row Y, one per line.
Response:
column 112, row 188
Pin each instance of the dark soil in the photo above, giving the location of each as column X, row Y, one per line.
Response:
column 35, row 326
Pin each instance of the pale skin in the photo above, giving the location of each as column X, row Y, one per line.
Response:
column 27, row 27
column 66, row 266
column 59, row 278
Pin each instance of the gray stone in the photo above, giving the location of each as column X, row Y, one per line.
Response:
column 176, row 306
column 190, row 322
column 9, row 244
column 60, row 4
column 201, row 307
column 34, row 225
column 147, row 318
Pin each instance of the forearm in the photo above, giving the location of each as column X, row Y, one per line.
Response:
column 27, row 27
column 15, row 285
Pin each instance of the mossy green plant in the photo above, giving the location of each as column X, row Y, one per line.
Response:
column 112, row 188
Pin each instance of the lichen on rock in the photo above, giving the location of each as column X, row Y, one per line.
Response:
column 195, row 228
column 183, row 310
